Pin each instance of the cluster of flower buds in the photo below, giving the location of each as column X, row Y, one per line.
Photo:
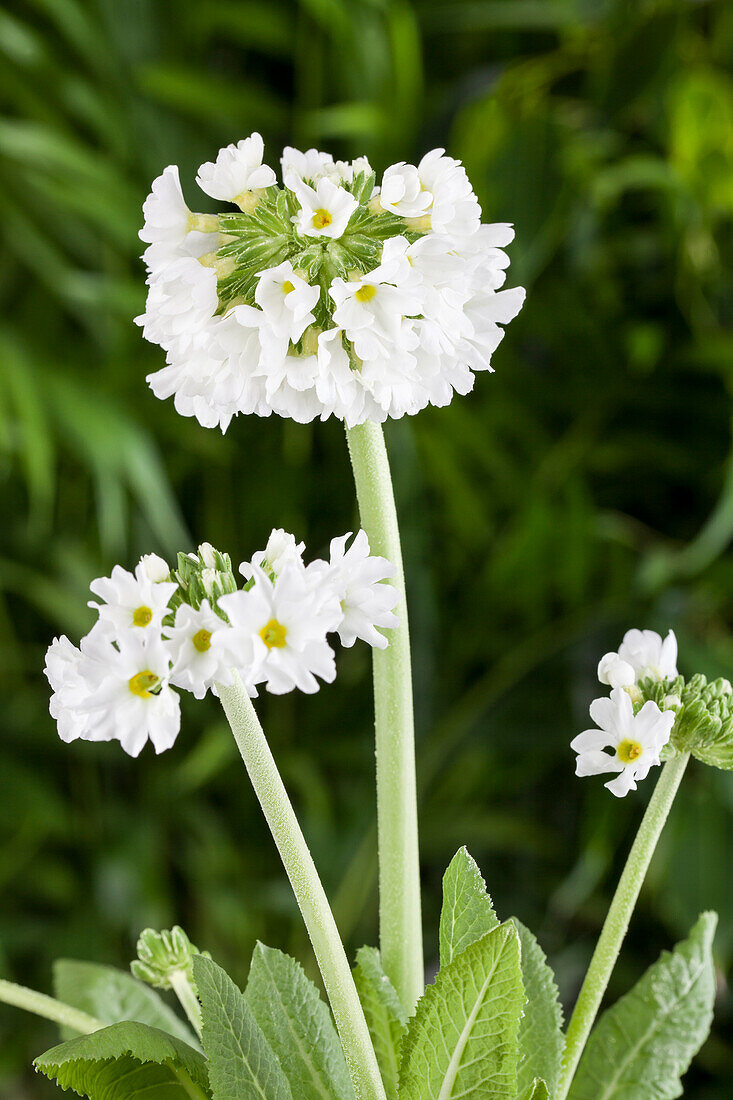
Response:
column 194, row 628
column 325, row 296
column 653, row 714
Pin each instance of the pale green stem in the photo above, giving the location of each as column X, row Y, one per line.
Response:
column 48, row 1007
column 309, row 892
column 189, row 1086
column 400, row 921
column 617, row 920
column 183, row 989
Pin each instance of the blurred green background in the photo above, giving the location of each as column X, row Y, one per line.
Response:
column 584, row 488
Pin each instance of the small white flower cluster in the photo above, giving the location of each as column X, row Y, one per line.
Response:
column 635, row 738
column 327, row 296
column 153, row 635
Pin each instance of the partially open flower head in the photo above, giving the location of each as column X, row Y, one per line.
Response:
column 623, row 742
column 264, row 308
column 155, row 636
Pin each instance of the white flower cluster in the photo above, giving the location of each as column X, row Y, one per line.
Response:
column 326, row 296
column 634, row 737
column 155, row 634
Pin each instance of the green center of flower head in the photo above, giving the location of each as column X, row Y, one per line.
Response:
column 628, row 751
column 142, row 683
column 202, row 640
column 266, row 235
column 273, row 634
column 142, row 616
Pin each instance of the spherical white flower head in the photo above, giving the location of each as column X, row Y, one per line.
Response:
column 287, row 301
column 325, row 209
column 635, row 741
column 197, row 666
column 649, row 654
column 132, row 602
column 281, row 627
column 133, row 701
column 366, row 601
column 397, row 298
column 237, row 171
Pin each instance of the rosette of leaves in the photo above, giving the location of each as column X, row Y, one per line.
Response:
column 488, row 1028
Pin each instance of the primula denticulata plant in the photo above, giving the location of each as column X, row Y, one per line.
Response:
column 332, row 296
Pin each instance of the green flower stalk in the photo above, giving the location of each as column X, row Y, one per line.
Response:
column 400, row 922
column 165, row 960
column 48, row 1007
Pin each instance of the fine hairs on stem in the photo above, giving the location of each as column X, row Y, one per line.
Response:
column 308, row 890
column 400, row 922
column 617, row 921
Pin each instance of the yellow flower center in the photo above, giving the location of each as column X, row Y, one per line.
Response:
column 628, row 751
column 321, row 219
column 141, row 616
column 273, row 634
column 202, row 640
column 143, row 682
column 288, row 287
column 365, row 293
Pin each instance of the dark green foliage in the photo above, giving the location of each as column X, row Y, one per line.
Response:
column 584, row 488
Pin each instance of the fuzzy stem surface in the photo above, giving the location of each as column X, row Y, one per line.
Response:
column 617, row 921
column 308, row 890
column 400, row 920
column 48, row 1007
column 183, row 989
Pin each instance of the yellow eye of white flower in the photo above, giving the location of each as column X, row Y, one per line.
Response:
column 288, row 287
column 142, row 616
column 321, row 219
column 141, row 683
column 366, row 292
column 273, row 634
column 202, row 640
column 628, row 751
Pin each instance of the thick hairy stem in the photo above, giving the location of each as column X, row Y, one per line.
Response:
column 48, row 1007
column 619, row 915
column 309, row 892
column 400, row 921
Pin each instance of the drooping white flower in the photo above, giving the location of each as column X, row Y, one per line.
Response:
column 282, row 624
column 132, row 602
column 286, row 300
column 366, row 601
column 237, row 171
column 72, row 677
column 182, row 302
column 635, row 740
column 437, row 189
column 325, row 209
column 169, row 225
column 197, row 666
column 642, row 654
column 402, row 191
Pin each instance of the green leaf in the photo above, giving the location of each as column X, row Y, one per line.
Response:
column 645, row 1042
column 298, row 1026
column 467, row 912
column 126, row 1061
column 385, row 1016
column 541, row 1040
column 536, row 1091
column 112, row 995
column 242, row 1064
column 462, row 1040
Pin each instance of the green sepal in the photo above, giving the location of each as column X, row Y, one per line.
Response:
column 385, row 1016
column 645, row 1042
column 126, row 1061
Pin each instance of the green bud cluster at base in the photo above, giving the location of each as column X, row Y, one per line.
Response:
column 704, row 722
column 161, row 954
column 203, row 576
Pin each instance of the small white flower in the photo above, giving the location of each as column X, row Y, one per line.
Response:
column 168, row 228
column 237, row 171
column 642, row 654
column 132, row 602
column 181, row 303
column 324, row 210
column 155, row 568
column 133, row 701
column 197, row 666
column 286, row 301
column 371, row 311
column 402, row 192
column 636, row 740
column 72, row 676
column 283, row 625
column 366, row 602
column 314, row 165
column 281, row 550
